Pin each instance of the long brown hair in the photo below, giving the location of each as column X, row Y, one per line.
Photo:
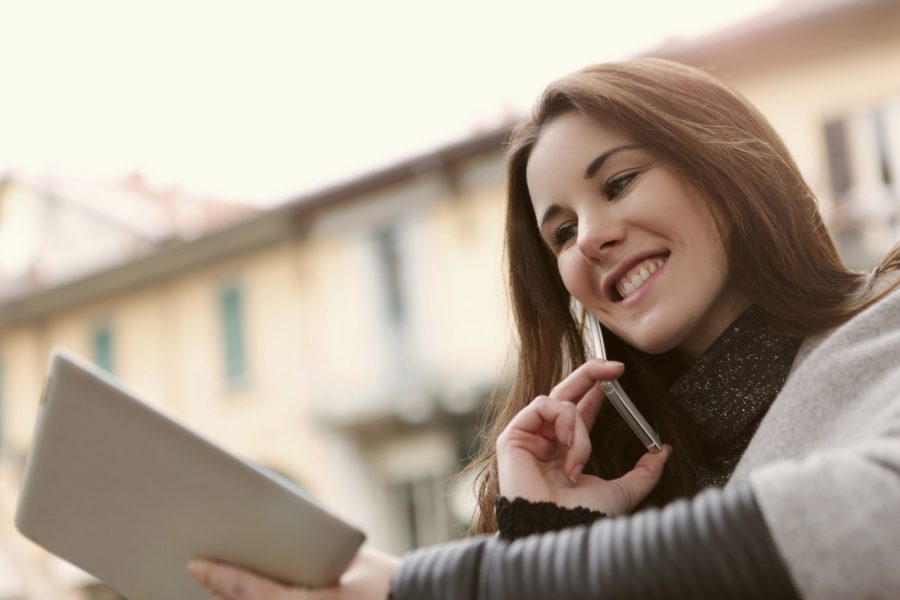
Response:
column 779, row 252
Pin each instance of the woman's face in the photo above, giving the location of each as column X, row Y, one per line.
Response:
column 635, row 242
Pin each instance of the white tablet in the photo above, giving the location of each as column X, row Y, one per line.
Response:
column 130, row 496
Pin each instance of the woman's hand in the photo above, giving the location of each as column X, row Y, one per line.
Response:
column 368, row 576
column 542, row 451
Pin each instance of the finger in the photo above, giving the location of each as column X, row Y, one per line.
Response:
column 637, row 483
column 582, row 379
column 561, row 415
column 536, row 444
column 534, row 429
column 589, row 405
column 579, row 453
column 564, row 427
column 232, row 582
column 540, row 412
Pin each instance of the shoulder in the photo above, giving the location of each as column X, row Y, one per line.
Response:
column 847, row 365
column 842, row 388
column 878, row 321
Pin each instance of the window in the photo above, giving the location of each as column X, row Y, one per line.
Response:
column 838, row 157
column 387, row 249
column 861, row 148
column 103, row 347
column 883, row 146
column 233, row 335
column 863, row 153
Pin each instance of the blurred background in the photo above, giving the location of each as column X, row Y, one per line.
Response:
column 283, row 224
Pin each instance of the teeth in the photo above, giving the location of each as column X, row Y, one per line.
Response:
column 637, row 276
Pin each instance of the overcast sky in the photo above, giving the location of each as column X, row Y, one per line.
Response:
column 263, row 100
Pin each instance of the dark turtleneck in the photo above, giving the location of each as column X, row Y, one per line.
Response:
column 725, row 394
column 729, row 389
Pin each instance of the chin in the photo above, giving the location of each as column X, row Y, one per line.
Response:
column 655, row 346
column 651, row 343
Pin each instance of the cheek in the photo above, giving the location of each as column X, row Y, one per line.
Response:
column 576, row 275
column 714, row 251
column 705, row 230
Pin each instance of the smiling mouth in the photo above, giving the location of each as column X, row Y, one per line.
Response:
column 638, row 275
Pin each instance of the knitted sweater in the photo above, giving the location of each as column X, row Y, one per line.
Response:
column 724, row 394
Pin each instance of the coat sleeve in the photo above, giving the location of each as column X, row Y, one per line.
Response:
column 824, row 465
column 834, row 514
column 715, row 545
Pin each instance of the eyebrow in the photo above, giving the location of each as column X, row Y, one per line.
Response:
column 589, row 173
column 598, row 162
column 549, row 214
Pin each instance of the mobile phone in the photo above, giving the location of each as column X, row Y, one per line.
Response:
column 618, row 397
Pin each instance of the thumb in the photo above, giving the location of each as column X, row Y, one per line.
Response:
column 636, row 484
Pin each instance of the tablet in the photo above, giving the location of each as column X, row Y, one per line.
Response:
column 130, row 496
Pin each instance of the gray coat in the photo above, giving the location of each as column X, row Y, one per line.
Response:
column 824, row 464
column 813, row 508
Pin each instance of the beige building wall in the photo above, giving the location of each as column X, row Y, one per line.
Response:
column 380, row 385
column 815, row 63
column 799, row 96
column 850, row 85
column 168, row 348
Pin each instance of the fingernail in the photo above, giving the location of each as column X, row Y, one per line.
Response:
column 575, row 473
column 194, row 568
column 615, row 363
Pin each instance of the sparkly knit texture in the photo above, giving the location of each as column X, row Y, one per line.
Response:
column 725, row 394
column 519, row 517
column 729, row 389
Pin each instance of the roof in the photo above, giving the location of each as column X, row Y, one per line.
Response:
column 260, row 230
column 60, row 229
column 794, row 29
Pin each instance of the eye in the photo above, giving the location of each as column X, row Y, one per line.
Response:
column 562, row 234
column 616, row 185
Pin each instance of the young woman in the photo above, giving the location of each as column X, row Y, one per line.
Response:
column 662, row 202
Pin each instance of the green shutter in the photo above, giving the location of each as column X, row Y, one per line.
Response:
column 103, row 347
column 231, row 305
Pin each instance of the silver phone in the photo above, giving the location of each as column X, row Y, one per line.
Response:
column 618, row 397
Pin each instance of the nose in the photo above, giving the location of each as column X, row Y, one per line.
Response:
column 596, row 237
